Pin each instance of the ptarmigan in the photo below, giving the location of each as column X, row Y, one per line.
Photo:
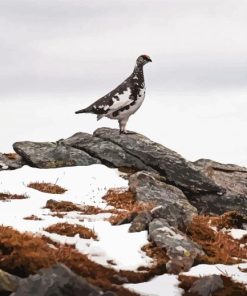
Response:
column 124, row 100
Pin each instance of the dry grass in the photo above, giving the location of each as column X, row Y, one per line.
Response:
column 68, row 206
column 228, row 220
column 126, row 204
column 231, row 288
column 8, row 196
column 47, row 187
column 33, row 217
column 61, row 206
column 120, row 199
column 218, row 245
column 23, row 254
column 159, row 256
column 71, row 230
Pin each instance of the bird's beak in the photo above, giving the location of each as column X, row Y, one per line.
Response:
column 150, row 60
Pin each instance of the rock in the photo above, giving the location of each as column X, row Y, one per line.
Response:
column 8, row 282
column 207, row 285
column 167, row 162
column 57, row 280
column 127, row 219
column 140, row 222
column 212, row 204
column 176, row 208
column 10, row 164
column 231, row 177
column 179, row 248
column 51, row 155
column 172, row 214
column 109, row 153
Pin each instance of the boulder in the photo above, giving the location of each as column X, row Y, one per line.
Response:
column 213, row 204
column 165, row 161
column 10, row 164
column 52, row 155
column 57, row 280
column 179, row 248
column 109, row 153
column 231, row 177
column 175, row 205
column 207, row 285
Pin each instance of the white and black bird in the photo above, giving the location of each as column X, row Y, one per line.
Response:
column 124, row 100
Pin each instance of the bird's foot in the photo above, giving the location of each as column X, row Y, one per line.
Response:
column 126, row 133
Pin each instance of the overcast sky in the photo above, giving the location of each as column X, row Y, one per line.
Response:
column 72, row 52
column 74, row 45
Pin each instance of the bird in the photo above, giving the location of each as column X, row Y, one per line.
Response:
column 124, row 100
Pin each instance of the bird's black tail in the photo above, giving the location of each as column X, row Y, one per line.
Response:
column 81, row 111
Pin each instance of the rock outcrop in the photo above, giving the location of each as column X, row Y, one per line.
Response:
column 176, row 184
column 52, row 155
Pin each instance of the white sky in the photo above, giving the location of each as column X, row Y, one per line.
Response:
column 66, row 53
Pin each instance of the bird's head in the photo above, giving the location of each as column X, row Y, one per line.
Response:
column 143, row 59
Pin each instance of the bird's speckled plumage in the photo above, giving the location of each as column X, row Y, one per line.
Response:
column 124, row 100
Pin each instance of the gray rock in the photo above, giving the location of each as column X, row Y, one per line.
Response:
column 10, row 164
column 179, row 248
column 212, row 204
column 140, row 222
column 51, row 155
column 128, row 219
column 172, row 214
column 207, row 285
column 109, row 153
column 231, row 177
column 57, row 280
column 167, row 162
column 175, row 204
column 8, row 282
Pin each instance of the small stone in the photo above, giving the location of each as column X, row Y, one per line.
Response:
column 140, row 222
column 207, row 285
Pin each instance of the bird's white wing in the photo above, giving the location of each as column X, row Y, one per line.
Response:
column 121, row 100
column 108, row 105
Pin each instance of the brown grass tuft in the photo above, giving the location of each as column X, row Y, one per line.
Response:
column 23, row 254
column 158, row 254
column 228, row 220
column 47, row 187
column 33, row 217
column 8, row 196
column 218, row 246
column 61, row 206
column 120, row 199
column 127, row 204
column 71, row 230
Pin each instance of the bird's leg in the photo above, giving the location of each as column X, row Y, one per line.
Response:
column 122, row 125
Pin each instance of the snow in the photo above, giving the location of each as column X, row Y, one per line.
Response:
column 237, row 233
column 85, row 185
column 165, row 284
column 233, row 271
